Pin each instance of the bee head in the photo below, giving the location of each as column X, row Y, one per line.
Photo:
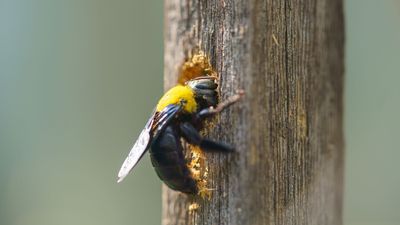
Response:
column 205, row 90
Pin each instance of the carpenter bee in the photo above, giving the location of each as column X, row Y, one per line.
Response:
column 178, row 114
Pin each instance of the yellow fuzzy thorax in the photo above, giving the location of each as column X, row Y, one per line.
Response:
column 176, row 95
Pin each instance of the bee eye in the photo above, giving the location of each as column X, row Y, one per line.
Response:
column 210, row 85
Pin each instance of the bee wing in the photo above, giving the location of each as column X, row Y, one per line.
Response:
column 162, row 119
column 137, row 151
column 153, row 128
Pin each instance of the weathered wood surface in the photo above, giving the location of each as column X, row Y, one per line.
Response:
column 288, row 57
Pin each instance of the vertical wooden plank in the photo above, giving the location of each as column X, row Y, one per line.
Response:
column 288, row 57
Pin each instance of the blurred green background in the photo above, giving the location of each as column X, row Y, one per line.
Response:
column 79, row 78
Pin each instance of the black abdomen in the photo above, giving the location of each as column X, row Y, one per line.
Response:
column 168, row 160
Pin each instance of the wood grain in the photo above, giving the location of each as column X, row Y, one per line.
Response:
column 288, row 131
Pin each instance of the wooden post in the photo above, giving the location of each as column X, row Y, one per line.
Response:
column 288, row 57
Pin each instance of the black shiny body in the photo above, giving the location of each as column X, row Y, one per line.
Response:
column 168, row 160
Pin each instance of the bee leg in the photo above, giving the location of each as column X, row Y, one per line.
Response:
column 210, row 145
column 192, row 136
column 221, row 106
